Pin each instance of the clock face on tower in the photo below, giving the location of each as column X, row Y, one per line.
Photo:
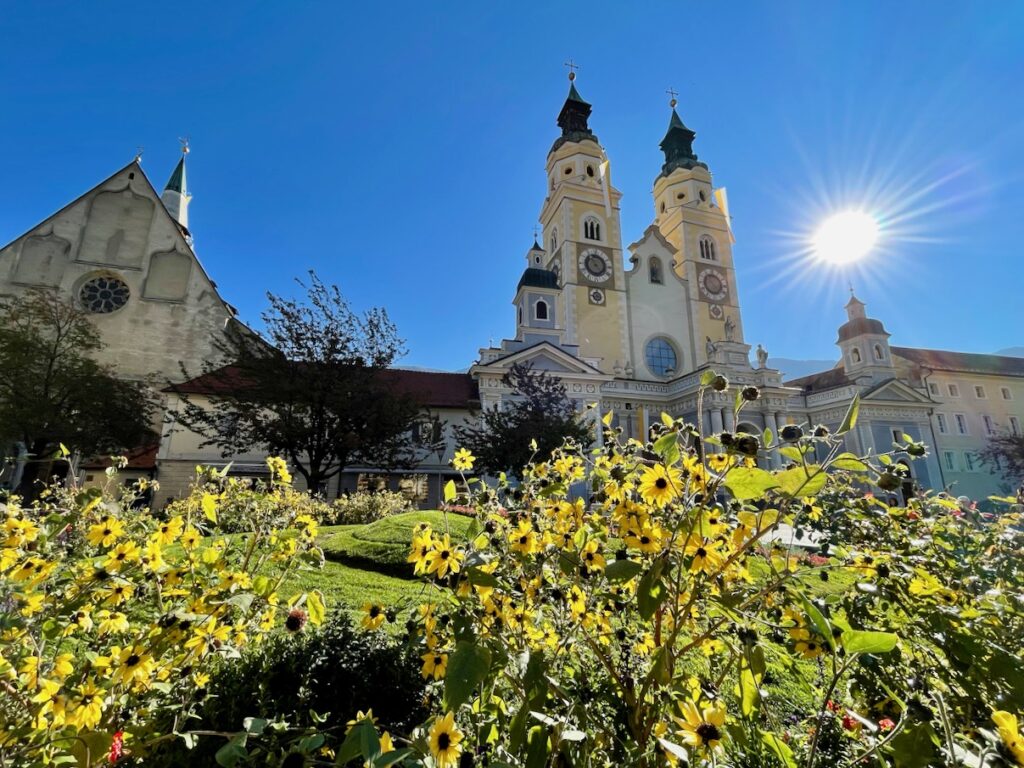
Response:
column 595, row 266
column 713, row 286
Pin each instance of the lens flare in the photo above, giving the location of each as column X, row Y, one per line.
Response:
column 845, row 237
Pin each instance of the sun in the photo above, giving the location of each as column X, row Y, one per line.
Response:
column 845, row 237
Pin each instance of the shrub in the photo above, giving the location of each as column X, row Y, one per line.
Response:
column 666, row 621
column 113, row 619
column 366, row 507
column 316, row 679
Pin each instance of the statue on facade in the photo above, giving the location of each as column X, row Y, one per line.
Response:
column 710, row 349
column 730, row 328
column 762, row 357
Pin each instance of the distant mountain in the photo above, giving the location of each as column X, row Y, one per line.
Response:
column 794, row 369
column 1012, row 352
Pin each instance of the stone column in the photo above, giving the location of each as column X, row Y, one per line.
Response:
column 716, row 421
column 730, row 419
column 773, row 424
column 598, row 426
column 645, row 424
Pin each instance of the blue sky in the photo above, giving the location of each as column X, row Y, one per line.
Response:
column 398, row 148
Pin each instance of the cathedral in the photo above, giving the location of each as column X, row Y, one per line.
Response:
column 630, row 327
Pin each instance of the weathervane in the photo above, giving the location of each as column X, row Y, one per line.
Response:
column 138, row 153
column 572, row 69
column 672, row 93
column 184, row 145
column 536, row 232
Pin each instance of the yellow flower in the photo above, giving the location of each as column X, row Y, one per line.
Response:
column 279, row 469
column 444, row 742
column 463, row 460
column 169, row 531
column 706, row 555
column 592, row 557
column 375, row 615
column 701, row 728
column 1006, row 723
column 134, row 667
column 645, row 536
column 422, row 543
column 122, row 554
column 107, row 531
column 190, row 538
column 443, row 558
column 112, row 622
column 523, row 539
column 86, row 707
column 659, row 485
column 434, row 665
column 118, row 593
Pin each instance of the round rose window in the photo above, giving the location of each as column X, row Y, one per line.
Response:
column 104, row 294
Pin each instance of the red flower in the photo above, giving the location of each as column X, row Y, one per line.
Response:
column 885, row 724
column 850, row 723
column 832, row 706
column 116, row 747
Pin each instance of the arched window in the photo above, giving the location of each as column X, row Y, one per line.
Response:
column 540, row 310
column 878, row 352
column 554, row 240
column 592, row 229
column 707, row 248
column 654, row 269
column 855, row 355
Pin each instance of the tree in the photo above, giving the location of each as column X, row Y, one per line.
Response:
column 1004, row 454
column 53, row 391
column 541, row 411
column 314, row 390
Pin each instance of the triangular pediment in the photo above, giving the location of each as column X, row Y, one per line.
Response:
column 895, row 390
column 543, row 356
column 653, row 233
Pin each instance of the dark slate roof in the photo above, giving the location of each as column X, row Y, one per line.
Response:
column 432, row 389
column 678, row 146
column 940, row 360
column 538, row 278
column 816, row 382
column 177, row 181
column 859, row 326
column 573, row 120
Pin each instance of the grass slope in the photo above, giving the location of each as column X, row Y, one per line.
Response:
column 383, row 546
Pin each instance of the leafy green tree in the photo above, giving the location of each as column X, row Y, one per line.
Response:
column 53, row 391
column 1004, row 454
column 541, row 411
column 314, row 390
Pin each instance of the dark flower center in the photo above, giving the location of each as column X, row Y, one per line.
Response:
column 645, row 539
column 443, row 742
column 374, row 612
column 708, row 732
column 445, row 554
column 106, row 531
column 132, row 660
column 701, row 552
column 661, row 483
column 522, row 539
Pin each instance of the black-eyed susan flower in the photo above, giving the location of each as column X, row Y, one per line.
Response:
column 1006, row 724
column 659, row 485
column 463, row 460
column 443, row 558
column 701, row 728
column 445, row 742
column 375, row 615
column 435, row 664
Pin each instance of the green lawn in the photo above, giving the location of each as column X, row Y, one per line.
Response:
column 383, row 546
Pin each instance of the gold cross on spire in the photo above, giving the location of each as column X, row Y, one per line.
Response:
column 536, row 232
column 573, row 66
column 672, row 93
column 184, row 144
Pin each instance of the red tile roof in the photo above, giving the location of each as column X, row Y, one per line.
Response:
column 940, row 360
column 432, row 389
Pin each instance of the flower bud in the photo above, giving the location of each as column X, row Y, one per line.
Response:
column 719, row 383
column 791, row 433
column 750, row 394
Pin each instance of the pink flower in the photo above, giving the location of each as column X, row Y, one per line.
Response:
column 885, row 724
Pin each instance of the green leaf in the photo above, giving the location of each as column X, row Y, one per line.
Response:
column 352, row 747
column 537, row 751
column 767, row 437
column 750, row 696
column 449, row 491
column 229, row 755
column 779, row 748
column 667, row 447
column 467, row 668
column 479, row 578
column 850, row 420
column 394, row 756
column 707, row 377
column 651, row 592
column 791, row 452
column 858, row 641
column 254, row 725
column 91, row 748
column 849, row 462
column 749, row 482
column 622, row 570
column 667, row 420
column 209, row 505
column 818, row 620
column 315, row 607
column 798, row 481
column 675, row 750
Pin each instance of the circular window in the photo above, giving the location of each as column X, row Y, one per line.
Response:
column 661, row 357
column 103, row 295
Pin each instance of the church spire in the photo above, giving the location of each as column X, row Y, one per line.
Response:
column 175, row 195
column 574, row 115
column 678, row 144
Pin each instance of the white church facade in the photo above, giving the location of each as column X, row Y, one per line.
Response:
column 631, row 326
